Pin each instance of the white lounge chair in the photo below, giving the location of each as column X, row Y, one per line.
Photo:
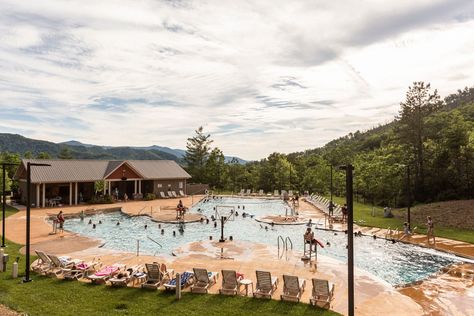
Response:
column 181, row 193
column 185, row 277
column 293, row 288
column 173, row 193
column 323, row 292
column 266, row 284
column 249, row 192
column 276, row 193
column 105, row 273
column 43, row 264
column 170, row 194
column 162, row 195
column 260, row 192
column 203, row 280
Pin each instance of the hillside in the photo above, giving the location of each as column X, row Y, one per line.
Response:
column 19, row 144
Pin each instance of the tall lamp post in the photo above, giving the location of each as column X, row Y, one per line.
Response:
column 331, row 189
column 350, row 236
column 28, row 216
column 408, row 194
column 4, row 164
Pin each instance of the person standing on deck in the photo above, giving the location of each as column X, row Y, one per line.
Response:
column 430, row 233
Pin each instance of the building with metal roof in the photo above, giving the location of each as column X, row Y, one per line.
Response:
column 74, row 181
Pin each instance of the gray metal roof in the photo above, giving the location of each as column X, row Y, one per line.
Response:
column 65, row 170
column 159, row 169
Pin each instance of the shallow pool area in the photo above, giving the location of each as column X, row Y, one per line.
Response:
column 397, row 263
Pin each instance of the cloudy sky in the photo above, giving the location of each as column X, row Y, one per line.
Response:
column 260, row 76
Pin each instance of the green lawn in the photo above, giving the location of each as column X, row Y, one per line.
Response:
column 48, row 296
column 363, row 217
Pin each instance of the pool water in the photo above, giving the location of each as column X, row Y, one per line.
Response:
column 397, row 263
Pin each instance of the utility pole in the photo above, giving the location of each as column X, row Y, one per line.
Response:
column 28, row 217
column 408, row 197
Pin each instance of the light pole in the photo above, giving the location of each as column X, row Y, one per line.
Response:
column 350, row 237
column 331, row 189
column 408, row 193
column 4, row 200
column 28, row 216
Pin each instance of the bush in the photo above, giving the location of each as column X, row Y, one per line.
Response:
column 103, row 199
column 149, row 196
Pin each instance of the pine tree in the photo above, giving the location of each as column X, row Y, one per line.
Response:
column 197, row 152
column 418, row 105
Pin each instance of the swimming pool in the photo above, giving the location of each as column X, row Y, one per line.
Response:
column 397, row 263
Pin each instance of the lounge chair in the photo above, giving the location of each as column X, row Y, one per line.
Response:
column 170, row 195
column 242, row 192
column 260, row 192
column 230, row 282
column 173, row 193
column 266, row 284
column 249, row 192
column 166, row 274
column 293, row 287
column 181, row 193
column 122, row 279
column 153, row 276
column 276, row 193
column 60, row 263
column 162, row 195
column 44, row 263
column 186, row 279
column 323, row 292
column 80, row 270
column 105, row 273
column 203, row 280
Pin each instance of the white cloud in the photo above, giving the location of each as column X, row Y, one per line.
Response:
column 260, row 76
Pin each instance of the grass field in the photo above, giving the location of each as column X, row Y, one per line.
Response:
column 363, row 217
column 51, row 297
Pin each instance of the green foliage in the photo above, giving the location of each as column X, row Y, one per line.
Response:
column 197, row 153
column 149, row 196
column 43, row 155
column 65, row 153
column 99, row 186
column 102, row 199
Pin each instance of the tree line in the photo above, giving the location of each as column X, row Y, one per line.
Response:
column 426, row 152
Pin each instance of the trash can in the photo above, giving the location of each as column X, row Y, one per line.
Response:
column 5, row 261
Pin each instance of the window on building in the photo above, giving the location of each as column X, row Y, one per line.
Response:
column 181, row 185
column 159, row 185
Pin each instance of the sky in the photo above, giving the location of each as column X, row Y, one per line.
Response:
column 259, row 76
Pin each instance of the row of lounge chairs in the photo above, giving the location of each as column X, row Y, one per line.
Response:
column 322, row 203
column 276, row 193
column 154, row 275
column 171, row 194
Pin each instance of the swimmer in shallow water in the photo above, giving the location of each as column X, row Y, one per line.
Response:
column 146, row 226
column 100, row 222
column 93, row 226
column 118, row 224
column 90, row 222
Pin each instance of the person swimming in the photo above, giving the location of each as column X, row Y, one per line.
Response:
column 162, row 231
column 118, row 224
column 207, row 220
column 146, row 226
column 215, row 224
column 100, row 222
column 174, row 233
column 90, row 222
column 93, row 226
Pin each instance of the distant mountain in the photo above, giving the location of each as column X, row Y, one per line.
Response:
column 19, row 144
column 179, row 153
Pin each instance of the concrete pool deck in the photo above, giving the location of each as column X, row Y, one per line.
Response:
column 446, row 293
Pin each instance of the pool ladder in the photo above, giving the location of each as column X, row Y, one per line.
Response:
column 284, row 246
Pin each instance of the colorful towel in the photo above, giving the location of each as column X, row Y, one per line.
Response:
column 106, row 271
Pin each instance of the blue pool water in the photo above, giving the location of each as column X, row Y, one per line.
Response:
column 395, row 263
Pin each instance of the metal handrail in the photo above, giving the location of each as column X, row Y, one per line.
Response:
column 286, row 243
column 278, row 242
column 154, row 241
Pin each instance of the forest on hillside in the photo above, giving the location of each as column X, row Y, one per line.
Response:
column 432, row 139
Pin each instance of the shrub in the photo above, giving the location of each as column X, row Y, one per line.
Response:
column 149, row 196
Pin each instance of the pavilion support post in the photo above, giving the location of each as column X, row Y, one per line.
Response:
column 105, row 186
column 44, row 195
column 110, row 187
column 75, row 192
column 38, row 195
column 139, row 186
column 70, row 193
